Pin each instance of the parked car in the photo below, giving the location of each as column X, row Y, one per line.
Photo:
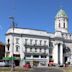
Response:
column 6, row 64
column 2, row 63
column 27, row 65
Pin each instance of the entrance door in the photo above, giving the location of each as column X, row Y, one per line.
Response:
column 65, row 59
column 17, row 62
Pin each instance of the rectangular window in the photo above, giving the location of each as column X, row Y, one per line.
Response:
column 50, row 58
column 35, row 56
column 31, row 41
column 26, row 41
column 40, row 49
column 50, row 51
column 30, row 49
column 17, row 40
column 17, row 48
column 59, row 24
column 35, row 49
column 44, row 42
column 25, row 49
column 40, row 42
column 49, row 43
column 35, row 42
column 28, row 55
column 43, row 56
column 45, row 50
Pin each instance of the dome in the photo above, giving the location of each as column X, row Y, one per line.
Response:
column 61, row 13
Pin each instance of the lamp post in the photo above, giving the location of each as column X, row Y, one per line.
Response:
column 12, row 26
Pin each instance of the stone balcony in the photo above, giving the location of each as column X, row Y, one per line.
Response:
column 37, row 53
column 36, row 46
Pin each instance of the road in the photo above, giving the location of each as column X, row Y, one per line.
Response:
column 45, row 70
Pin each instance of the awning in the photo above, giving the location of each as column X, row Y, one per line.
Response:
column 9, row 58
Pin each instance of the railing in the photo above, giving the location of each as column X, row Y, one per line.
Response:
column 35, row 45
column 44, row 53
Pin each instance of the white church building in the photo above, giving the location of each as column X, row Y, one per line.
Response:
column 29, row 45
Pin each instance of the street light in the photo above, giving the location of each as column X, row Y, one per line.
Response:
column 12, row 26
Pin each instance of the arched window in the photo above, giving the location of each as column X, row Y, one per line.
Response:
column 8, row 45
column 64, row 25
column 59, row 23
column 8, row 40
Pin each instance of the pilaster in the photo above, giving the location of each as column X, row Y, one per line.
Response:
column 61, row 54
column 55, row 53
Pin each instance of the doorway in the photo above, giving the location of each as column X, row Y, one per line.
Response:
column 65, row 59
column 17, row 62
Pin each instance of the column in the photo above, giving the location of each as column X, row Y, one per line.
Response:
column 32, row 60
column 55, row 53
column 21, row 49
column 39, row 56
column 47, row 60
column 11, row 46
column 39, row 61
column 47, row 57
column 61, row 54
column 22, row 61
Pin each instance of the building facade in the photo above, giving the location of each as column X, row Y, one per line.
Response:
column 29, row 45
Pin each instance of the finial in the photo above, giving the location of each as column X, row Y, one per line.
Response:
column 61, row 7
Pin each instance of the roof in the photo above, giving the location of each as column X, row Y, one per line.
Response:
column 27, row 31
column 61, row 13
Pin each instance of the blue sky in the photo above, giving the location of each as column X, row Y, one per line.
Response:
column 35, row 14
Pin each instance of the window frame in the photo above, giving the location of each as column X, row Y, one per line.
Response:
column 17, row 48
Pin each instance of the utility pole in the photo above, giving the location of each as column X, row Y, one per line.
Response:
column 12, row 26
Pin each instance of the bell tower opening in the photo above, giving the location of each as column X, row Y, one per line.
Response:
column 61, row 21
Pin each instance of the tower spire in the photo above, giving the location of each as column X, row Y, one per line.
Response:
column 61, row 21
